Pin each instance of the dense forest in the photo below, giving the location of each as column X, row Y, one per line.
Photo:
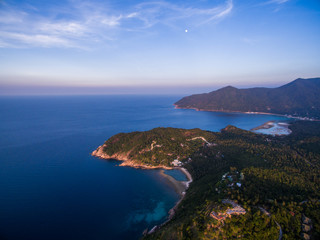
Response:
column 298, row 98
column 280, row 187
column 159, row 146
column 280, row 183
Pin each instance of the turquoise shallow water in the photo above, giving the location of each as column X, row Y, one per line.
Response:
column 51, row 188
column 176, row 174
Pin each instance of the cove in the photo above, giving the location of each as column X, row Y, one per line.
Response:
column 51, row 188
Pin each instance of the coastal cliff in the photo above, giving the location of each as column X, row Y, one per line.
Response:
column 124, row 157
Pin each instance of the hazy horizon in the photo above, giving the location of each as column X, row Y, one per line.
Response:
column 31, row 90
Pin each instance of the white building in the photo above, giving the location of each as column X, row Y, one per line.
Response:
column 176, row 163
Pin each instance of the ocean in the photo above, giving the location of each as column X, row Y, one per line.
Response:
column 52, row 188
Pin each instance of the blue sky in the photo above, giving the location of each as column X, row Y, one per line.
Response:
column 156, row 46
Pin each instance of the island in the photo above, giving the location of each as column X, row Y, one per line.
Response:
column 245, row 185
column 299, row 98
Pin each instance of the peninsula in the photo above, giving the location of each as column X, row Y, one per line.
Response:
column 157, row 148
column 299, row 98
column 244, row 184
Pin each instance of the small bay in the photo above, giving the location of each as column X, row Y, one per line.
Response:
column 176, row 174
column 52, row 188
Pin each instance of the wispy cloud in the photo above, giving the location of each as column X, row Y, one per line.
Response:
column 82, row 24
column 276, row 4
column 277, row 1
column 35, row 40
column 152, row 13
column 220, row 12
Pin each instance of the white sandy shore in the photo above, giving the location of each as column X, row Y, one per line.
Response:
column 179, row 186
column 273, row 128
column 186, row 185
column 185, row 171
column 230, row 111
column 263, row 113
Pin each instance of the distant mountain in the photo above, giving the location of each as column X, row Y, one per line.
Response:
column 300, row 98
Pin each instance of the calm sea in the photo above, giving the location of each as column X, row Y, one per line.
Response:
column 50, row 186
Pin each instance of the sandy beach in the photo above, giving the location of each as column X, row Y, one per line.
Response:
column 263, row 113
column 273, row 128
column 179, row 186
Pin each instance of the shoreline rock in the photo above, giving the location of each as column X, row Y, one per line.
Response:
column 126, row 161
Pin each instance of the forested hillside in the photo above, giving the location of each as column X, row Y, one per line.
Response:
column 159, row 146
column 275, row 179
column 298, row 98
column 280, row 187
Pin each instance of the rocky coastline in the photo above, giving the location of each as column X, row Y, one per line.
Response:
column 179, row 186
column 126, row 161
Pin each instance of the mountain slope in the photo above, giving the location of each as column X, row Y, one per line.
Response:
column 298, row 98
